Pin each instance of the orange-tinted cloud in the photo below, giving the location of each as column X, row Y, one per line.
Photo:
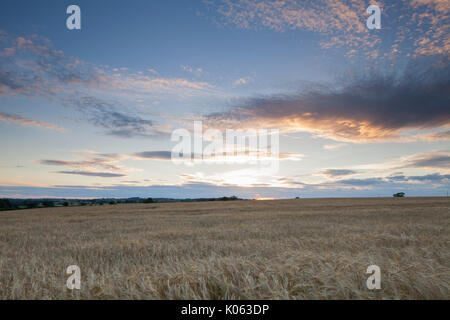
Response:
column 375, row 107
column 432, row 26
column 343, row 22
column 437, row 136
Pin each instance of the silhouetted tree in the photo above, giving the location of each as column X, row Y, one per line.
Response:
column 399, row 195
column 5, row 204
column 148, row 200
column 48, row 203
column 228, row 198
column 30, row 204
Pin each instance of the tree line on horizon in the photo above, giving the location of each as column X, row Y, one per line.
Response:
column 18, row 204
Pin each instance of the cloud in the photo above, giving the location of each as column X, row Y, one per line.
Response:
column 240, row 81
column 433, row 178
column 31, row 67
column 106, row 115
column 409, row 27
column 321, row 16
column 23, row 121
column 137, row 83
column 331, row 173
column 290, row 156
column 107, row 161
column 363, row 177
column 364, row 108
column 195, row 71
column 395, row 181
column 342, row 23
column 334, row 146
column 251, row 178
column 438, row 136
column 222, row 157
column 427, row 185
column 93, row 174
column 359, row 182
column 154, row 155
column 56, row 162
column 434, row 160
column 432, row 26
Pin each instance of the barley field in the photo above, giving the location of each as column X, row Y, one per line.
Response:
column 280, row 249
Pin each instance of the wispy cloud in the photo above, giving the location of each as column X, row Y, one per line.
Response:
column 30, row 66
column 106, row 115
column 221, row 157
column 334, row 146
column 437, row 136
column 434, row 160
column 144, row 84
column 93, row 174
column 154, row 155
column 240, row 81
column 23, row 121
column 332, row 173
column 195, row 71
column 90, row 162
column 433, row 178
column 389, row 182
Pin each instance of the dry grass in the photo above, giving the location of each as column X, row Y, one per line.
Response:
column 284, row 249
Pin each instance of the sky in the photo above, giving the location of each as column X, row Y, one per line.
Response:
column 91, row 112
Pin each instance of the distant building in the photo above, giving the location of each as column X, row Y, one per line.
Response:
column 399, row 195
